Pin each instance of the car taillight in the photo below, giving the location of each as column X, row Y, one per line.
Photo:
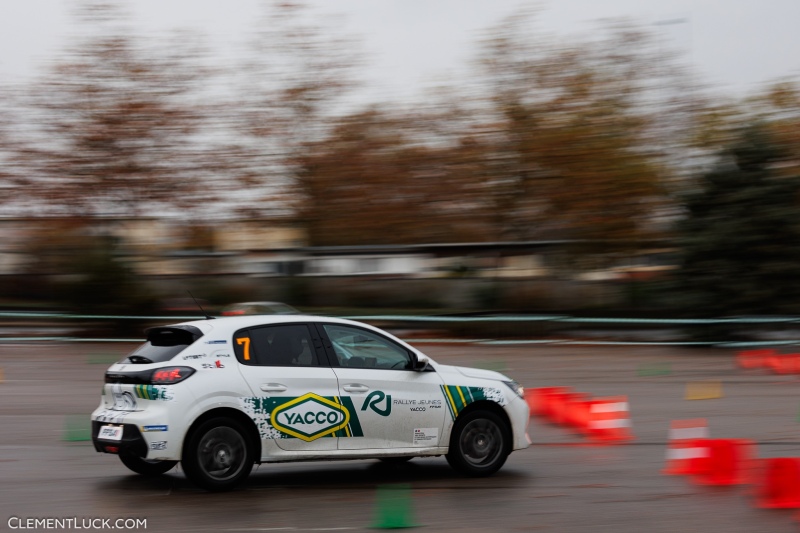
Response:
column 170, row 375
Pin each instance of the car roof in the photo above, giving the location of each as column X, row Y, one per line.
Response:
column 219, row 329
column 223, row 325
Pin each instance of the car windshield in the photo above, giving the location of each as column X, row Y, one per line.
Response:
column 355, row 347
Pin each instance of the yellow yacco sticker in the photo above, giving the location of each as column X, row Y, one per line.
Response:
column 315, row 398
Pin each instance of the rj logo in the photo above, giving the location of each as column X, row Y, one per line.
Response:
column 374, row 399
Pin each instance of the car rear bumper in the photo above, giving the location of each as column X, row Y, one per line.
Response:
column 147, row 433
column 132, row 442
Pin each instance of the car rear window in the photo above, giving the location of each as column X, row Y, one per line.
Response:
column 163, row 344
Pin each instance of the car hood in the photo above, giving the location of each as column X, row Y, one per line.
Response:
column 478, row 373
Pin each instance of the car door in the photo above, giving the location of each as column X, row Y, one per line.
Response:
column 395, row 406
column 295, row 401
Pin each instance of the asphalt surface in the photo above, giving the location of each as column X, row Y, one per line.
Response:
column 559, row 484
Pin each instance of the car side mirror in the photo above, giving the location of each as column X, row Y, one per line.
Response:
column 420, row 364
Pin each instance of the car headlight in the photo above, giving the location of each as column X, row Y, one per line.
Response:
column 516, row 387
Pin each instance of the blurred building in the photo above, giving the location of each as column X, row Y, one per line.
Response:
column 246, row 260
column 264, row 248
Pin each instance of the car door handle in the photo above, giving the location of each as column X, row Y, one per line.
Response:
column 273, row 387
column 355, row 387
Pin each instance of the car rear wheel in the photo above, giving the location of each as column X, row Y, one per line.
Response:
column 146, row 467
column 217, row 455
column 479, row 444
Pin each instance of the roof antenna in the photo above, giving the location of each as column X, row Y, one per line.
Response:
column 208, row 317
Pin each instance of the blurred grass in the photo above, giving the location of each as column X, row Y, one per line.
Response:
column 654, row 369
column 102, row 359
column 77, row 428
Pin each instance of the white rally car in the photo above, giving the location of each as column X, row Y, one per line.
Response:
column 219, row 395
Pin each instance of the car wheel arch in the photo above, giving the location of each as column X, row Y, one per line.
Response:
column 488, row 405
column 254, row 437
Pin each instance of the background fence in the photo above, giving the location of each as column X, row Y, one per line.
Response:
column 24, row 327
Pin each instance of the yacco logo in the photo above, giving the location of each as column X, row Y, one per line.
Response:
column 374, row 399
column 309, row 417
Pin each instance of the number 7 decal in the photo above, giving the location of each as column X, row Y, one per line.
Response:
column 245, row 341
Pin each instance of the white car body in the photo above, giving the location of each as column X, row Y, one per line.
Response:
column 314, row 407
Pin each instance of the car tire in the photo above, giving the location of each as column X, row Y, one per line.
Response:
column 479, row 444
column 217, row 455
column 146, row 467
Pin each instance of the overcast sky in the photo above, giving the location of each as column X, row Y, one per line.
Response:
column 735, row 45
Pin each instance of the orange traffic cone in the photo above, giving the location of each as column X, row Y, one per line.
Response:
column 682, row 437
column 609, row 419
column 779, row 484
column 783, row 364
column 580, row 415
column 557, row 405
column 567, row 412
column 729, row 462
column 539, row 399
column 789, row 364
column 754, row 358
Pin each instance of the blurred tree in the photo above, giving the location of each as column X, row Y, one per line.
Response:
column 565, row 148
column 775, row 107
column 571, row 151
column 379, row 179
column 741, row 235
column 288, row 92
column 96, row 281
column 113, row 130
column 113, row 125
column 11, row 176
column 83, row 270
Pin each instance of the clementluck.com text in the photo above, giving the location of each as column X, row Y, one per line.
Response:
column 16, row 522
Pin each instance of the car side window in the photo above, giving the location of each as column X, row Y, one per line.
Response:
column 281, row 345
column 242, row 349
column 360, row 348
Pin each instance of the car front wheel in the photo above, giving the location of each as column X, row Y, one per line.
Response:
column 479, row 444
column 145, row 467
column 217, row 455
